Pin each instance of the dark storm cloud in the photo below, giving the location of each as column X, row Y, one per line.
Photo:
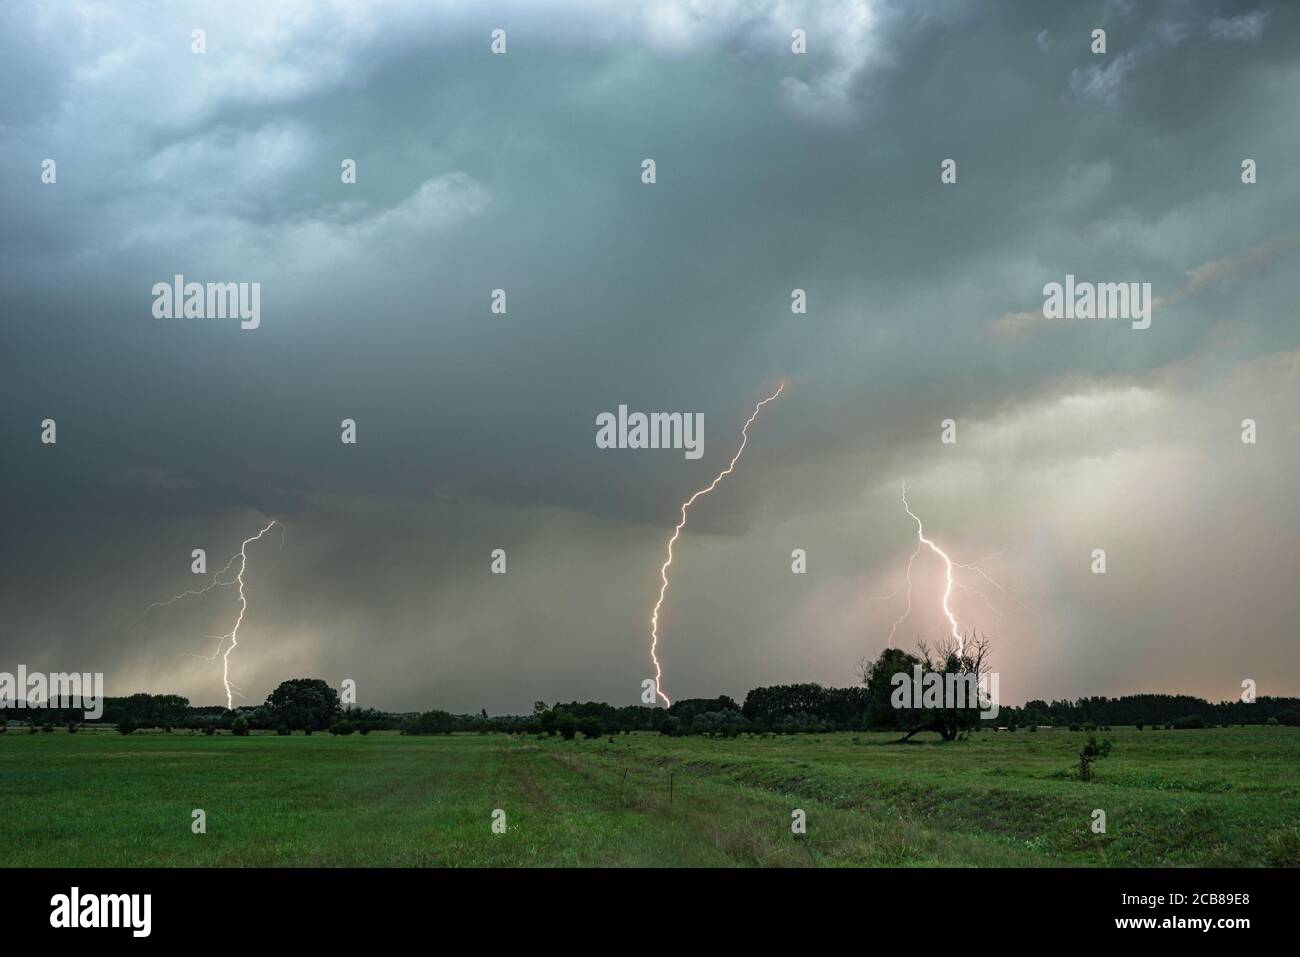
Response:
column 477, row 172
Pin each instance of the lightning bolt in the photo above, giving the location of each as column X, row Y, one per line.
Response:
column 663, row 571
column 947, row 592
column 219, row 582
column 907, row 580
column 922, row 541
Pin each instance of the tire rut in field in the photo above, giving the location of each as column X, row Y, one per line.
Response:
column 538, row 798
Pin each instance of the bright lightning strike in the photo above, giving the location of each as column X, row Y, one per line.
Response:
column 922, row 541
column 219, row 582
column 663, row 571
column 947, row 592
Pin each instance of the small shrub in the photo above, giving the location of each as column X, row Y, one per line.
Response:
column 72, row 727
column 1092, row 751
column 1139, row 725
column 283, row 731
column 343, row 727
column 209, row 730
column 1188, row 722
column 1272, row 722
column 239, row 727
column 126, row 727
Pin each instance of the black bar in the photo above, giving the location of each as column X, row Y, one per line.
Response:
column 920, row 907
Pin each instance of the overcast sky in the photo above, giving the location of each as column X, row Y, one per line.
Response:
column 775, row 171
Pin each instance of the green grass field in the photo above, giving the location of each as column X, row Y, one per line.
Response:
column 1213, row 797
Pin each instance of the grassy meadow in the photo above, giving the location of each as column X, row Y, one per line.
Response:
column 1216, row 797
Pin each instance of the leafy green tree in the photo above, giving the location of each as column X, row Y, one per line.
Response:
column 239, row 727
column 547, row 721
column 950, row 714
column 567, row 725
column 308, row 703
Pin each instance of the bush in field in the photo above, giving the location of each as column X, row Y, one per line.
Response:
column 4, row 726
column 72, row 727
column 209, row 730
column 283, row 730
column 342, row 727
column 1189, row 721
column 1092, row 751
column 239, row 727
column 126, row 727
column 1139, row 725
column 590, row 727
column 1272, row 722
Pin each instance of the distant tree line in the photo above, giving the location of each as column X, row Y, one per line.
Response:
column 1152, row 710
column 311, row 705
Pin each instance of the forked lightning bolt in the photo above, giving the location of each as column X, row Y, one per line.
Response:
column 922, row 541
column 947, row 591
column 663, row 571
column 218, row 582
